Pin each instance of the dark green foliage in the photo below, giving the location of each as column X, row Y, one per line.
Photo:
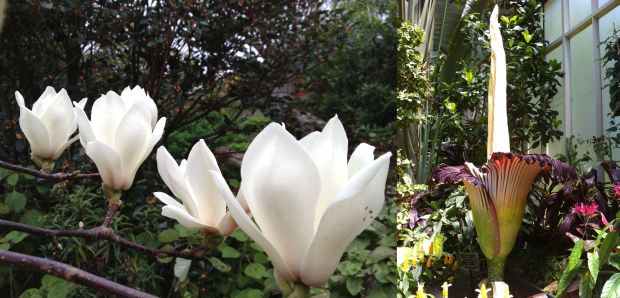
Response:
column 357, row 81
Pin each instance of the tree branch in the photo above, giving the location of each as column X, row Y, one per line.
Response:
column 68, row 272
column 48, row 176
column 101, row 233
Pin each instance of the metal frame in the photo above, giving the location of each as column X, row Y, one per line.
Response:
column 564, row 40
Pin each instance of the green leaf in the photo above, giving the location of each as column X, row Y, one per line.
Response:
column 380, row 253
column 526, row 34
column 614, row 260
column 574, row 262
column 255, row 270
column 586, row 285
column 593, row 265
column 218, row 264
column 354, row 285
column 32, row 217
column 239, row 235
column 261, row 258
column 32, row 293
column 16, row 201
column 611, row 289
column 382, row 292
column 606, row 246
column 14, row 237
column 229, row 252
column 168, row 235
column 12, row 179
column 61, row 290
column 249, row 293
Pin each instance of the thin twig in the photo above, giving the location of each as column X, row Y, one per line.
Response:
column 45, row 175
column 101, row 233
column 68, row 272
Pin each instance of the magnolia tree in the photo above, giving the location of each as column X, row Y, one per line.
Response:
column 302, row 201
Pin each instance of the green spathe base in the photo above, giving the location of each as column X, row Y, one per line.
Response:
column 496, row 268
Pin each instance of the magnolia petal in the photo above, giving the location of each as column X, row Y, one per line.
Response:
column 168, row 200
column 329, row 153
column 59, row 120
column 44, row 101
column 137, row 94
column 308, row 141
column 36, row 133
column 86, row 132
column 361, row 157
column 107, row 113
column 227, row 224
column 355, row 207
column 186, row 219
column 108, row 164
column 132, row 141
column 209, row 202
column 498, row 138
column 158, row 132
column 249, row 227
column 20, row 100
column 277, row 177
column 174, row 177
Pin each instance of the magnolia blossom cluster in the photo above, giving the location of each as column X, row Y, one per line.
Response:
column 301, row 200
column 120, row 134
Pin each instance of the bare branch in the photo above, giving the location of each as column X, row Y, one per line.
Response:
column 68, row 272
column 101, row 233
column 44, row 175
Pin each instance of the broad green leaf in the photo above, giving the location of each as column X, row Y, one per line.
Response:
column 32, row 217
column 249, row 293
column 16, row 201
column 32, row 293
column 239, row 235
column 586, row 285
column 381, row 253
column 574, row 262
column 61, row 290
column 12, row 179
column 229, row 252
column 354, row 285
column 218, row 264
column 168, row 235
column 611, row 289
column 255, row 270
column 14, row 237
column 606, row 246
column 593, row 265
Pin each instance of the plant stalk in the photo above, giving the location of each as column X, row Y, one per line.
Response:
column 496, row 268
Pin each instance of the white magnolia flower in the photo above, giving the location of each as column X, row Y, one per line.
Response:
column 49, row 124
column 121, row 133
column 203, row 206
column 307, row 201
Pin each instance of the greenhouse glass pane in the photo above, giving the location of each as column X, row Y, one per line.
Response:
column 583, row 115
column 578, row 10
column 602, row 2
column 553, row 19
column 606, row 28
column 558, row 104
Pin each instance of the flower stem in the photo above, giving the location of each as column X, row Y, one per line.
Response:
column 113, row 196
column 301, row 291
column 282, row 284
column 496, row 268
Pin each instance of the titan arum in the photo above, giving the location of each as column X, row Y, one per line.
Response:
column 499, row 189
